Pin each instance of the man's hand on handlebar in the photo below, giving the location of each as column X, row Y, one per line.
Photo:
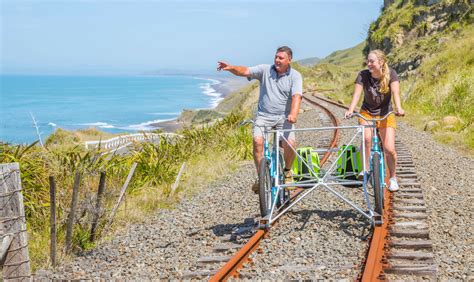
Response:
column 292, row 118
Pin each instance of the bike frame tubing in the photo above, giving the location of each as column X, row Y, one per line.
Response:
column 320, row 181
column 376, row 149
column 276, row 173
column 273, row 157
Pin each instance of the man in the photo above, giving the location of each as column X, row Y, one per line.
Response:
column 281, row 89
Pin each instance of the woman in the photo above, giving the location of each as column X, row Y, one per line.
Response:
column 379, row 83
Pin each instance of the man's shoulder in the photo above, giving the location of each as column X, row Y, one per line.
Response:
column 295, row 74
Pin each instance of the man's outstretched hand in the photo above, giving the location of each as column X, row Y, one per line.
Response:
column 223, row 66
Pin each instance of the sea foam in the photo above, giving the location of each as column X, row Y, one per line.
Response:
column 207, row 89
column 98, row 124
column 145, row 126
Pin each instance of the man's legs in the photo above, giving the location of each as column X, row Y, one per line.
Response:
column 258, row 141
column 257, row 150
column 289, row 153
column 289, row 150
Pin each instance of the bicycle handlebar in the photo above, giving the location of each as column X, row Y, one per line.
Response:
column 373, row 119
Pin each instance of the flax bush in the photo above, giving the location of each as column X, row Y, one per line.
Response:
column 157, row 168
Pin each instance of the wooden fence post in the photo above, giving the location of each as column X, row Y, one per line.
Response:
column 100, row 191
column 176, row 183
column 52, row 221
column 14, row 257
column 122, row 193
column 70, row 219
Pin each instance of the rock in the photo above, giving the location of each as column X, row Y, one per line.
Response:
column 431, row 125
column 432, row 2
column 451, row 120
column 449, row 128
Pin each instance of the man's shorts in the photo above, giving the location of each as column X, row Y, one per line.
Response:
column 265, row 123
column 388, row 122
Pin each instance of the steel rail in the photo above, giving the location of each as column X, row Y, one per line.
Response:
column 231, row 268
column 331, row 101
column 374, row 263
column 373, row 267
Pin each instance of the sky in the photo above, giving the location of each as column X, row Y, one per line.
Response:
column 141, row 36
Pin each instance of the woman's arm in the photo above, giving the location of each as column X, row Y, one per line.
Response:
column 395, row 88
column 355, row 99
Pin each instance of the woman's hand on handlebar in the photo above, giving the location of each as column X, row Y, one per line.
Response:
column 348, row 114
column 400, row 112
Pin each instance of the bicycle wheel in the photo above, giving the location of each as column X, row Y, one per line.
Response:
column 377, row 185
column 265, row 187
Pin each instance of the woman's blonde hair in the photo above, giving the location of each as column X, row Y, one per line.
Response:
column 385, row 81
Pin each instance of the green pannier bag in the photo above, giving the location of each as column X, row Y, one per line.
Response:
column 301, row 169
column 349, row 165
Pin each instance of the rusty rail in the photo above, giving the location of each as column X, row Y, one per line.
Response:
column 373, row 267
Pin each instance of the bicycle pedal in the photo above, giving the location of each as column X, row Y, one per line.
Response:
column 378, row 221
column 263, row 224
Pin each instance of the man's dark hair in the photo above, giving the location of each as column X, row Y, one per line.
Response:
column 287, row 50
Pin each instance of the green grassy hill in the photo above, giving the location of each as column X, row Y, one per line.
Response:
column 309, row 62
column 432, row 49
column 351, row 58
column 334, row 75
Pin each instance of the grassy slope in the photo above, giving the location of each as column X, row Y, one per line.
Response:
column 350, row 58
column 334, row 75
column 443, row 85
column 235, row 101
column 309, row 62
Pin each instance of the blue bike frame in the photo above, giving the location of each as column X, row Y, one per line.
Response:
column 272, row 158
column 377, row 150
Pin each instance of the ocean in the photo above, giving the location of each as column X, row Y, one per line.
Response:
column 114, row 104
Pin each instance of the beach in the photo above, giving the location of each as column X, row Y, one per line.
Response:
column 222, row 87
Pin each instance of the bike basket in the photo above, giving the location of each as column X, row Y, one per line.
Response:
column 349, row 165
column 302, row 169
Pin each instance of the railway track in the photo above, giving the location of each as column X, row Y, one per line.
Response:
column 235, row 262
column 399, row 249
column 231, row 268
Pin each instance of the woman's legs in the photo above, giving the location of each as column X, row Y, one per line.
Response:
column 388, row 141
column 367, row 143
